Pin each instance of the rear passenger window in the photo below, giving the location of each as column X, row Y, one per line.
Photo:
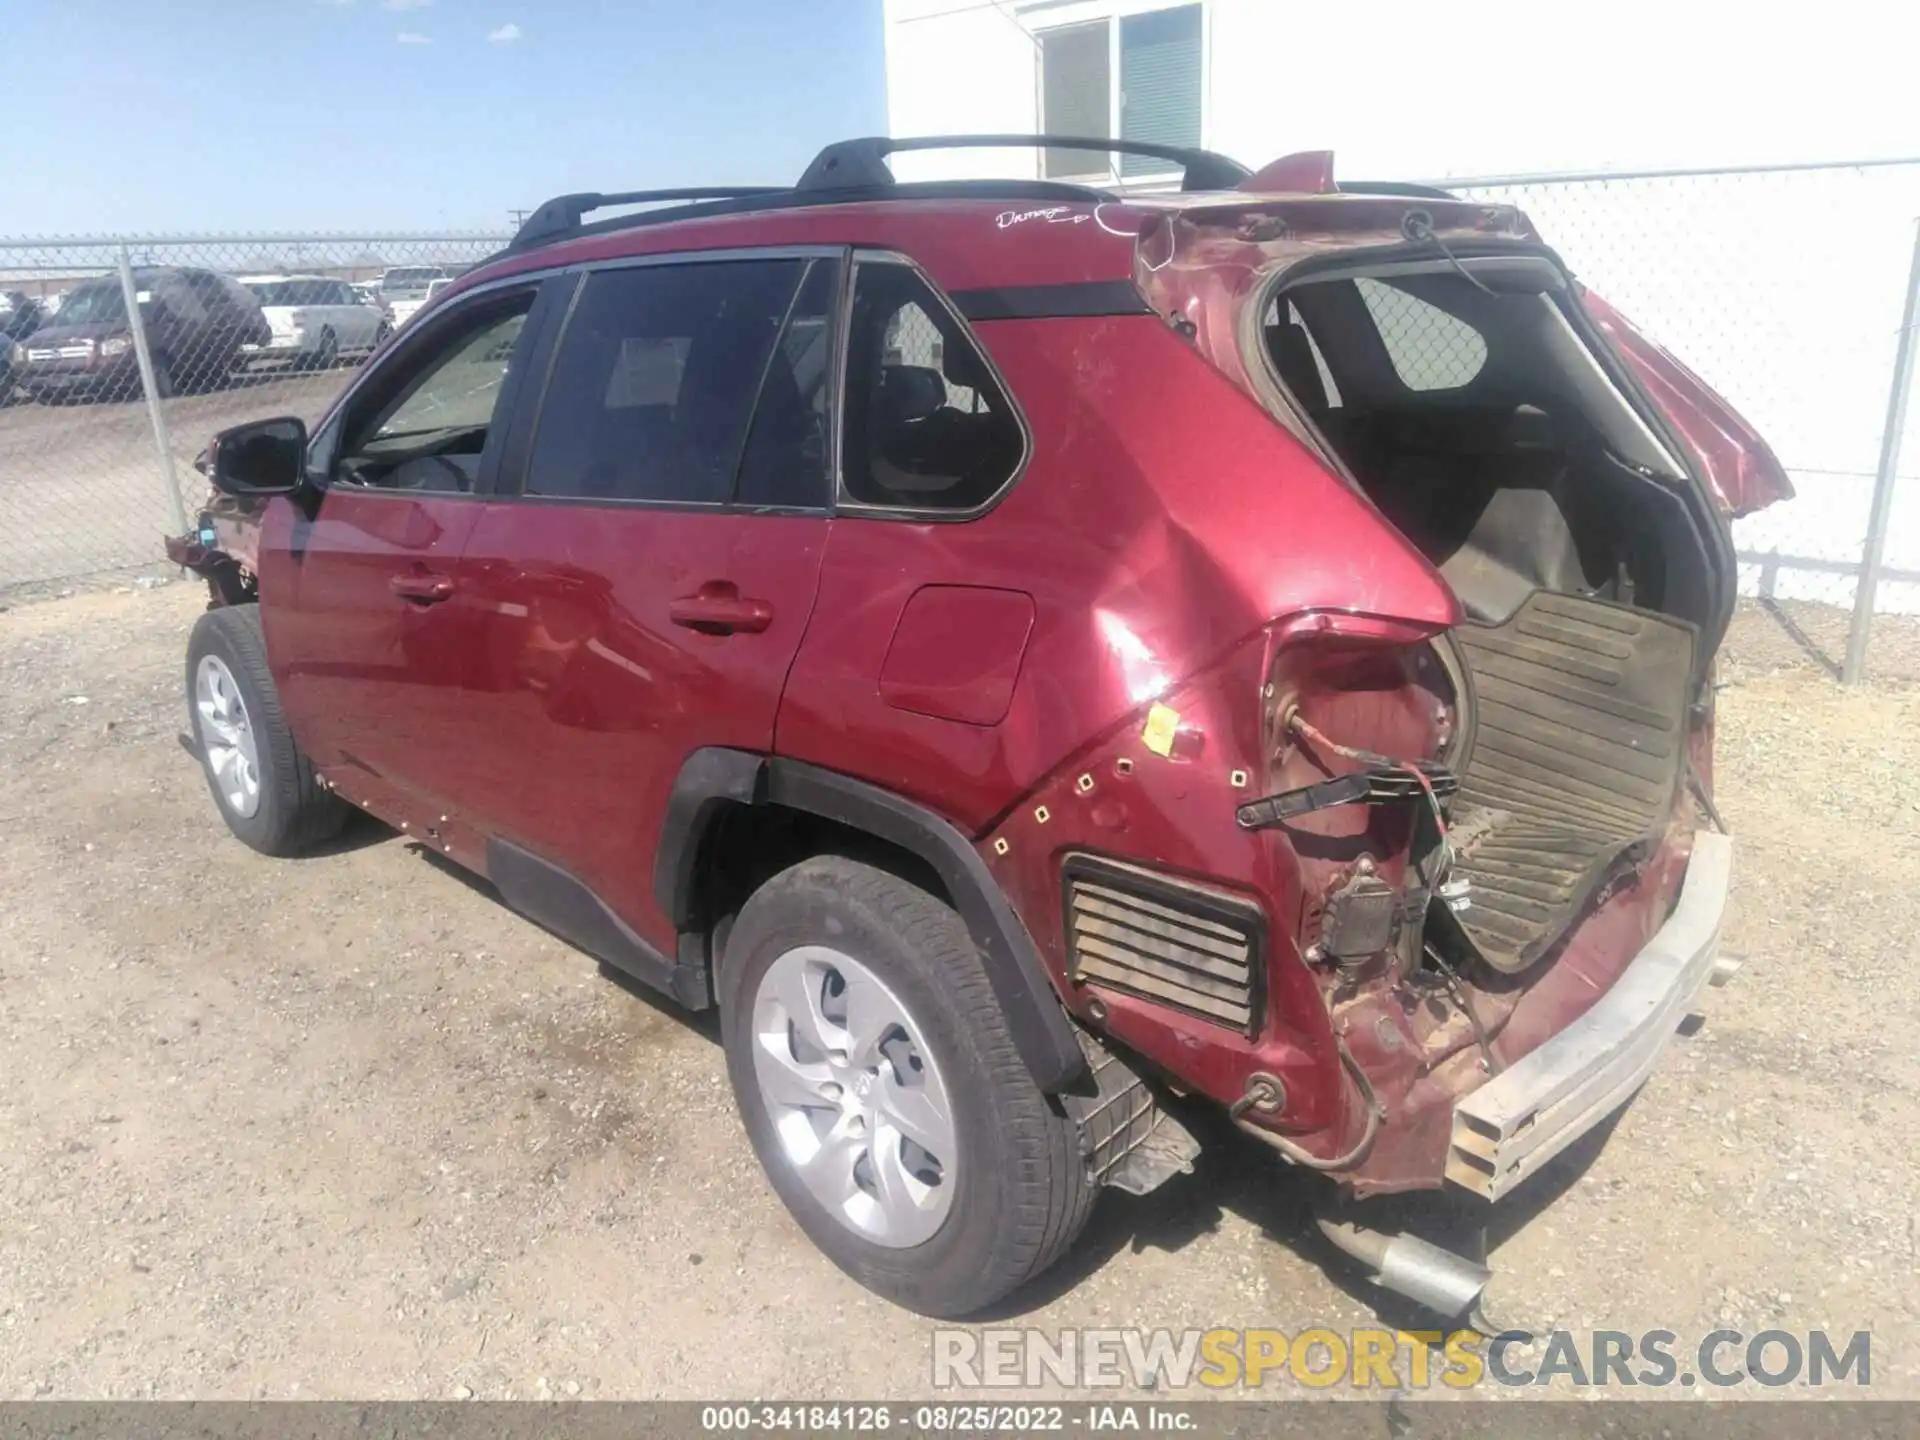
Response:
column 1430, row 349
column 653, row 387
column 927, row 426
column 786, row 457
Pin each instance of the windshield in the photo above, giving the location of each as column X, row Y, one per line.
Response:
column 282, row 292
column 413, row 277
column 93, row 305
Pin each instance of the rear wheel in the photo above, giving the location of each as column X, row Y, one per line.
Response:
column 261, row 781
column 328, row 355
column 881, row 1090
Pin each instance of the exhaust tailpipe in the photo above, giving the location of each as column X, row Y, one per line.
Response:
column 1446, row 1283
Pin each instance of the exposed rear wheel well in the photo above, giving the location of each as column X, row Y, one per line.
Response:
column 736, row 819
column 744, row 846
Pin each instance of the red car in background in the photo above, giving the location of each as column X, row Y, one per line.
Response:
column 1021, row 650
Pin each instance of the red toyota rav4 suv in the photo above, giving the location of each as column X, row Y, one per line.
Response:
column 1018, row 649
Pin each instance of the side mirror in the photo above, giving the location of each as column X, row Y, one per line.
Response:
column 262, row 457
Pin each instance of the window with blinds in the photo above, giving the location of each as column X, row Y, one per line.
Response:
column 1156, row 95
column 1076, row 95
column 1159, row 83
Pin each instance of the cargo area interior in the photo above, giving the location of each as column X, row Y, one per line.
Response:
column 1472, row 412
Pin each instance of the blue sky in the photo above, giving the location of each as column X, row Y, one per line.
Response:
column 254, row 115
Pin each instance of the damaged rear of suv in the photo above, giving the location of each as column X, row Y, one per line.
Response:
column 1253, row 643
column 1498, row 871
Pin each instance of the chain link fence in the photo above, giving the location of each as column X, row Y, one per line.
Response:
column 120, row 358
column 1784, row 288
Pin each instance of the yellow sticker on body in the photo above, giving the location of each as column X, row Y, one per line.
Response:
column 1163, row 722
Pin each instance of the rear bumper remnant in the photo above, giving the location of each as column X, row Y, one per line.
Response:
column 1511, row 1126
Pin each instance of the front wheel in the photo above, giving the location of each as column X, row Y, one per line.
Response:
column 881, row 1090
column 261, row 781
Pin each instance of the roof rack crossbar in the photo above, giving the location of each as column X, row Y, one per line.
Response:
column 564, row 213
column 861, row 164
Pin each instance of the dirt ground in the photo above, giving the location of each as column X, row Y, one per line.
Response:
column 344, row 1127
column 80, row 487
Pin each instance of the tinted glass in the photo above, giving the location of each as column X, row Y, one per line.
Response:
column 654, row 382
column 94, row 305
column 291, row 292
column 425, row 424
column 786, row 457
column 410, row 277
column 927, row 427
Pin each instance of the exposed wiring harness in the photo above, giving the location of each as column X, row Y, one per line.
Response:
column 1417, row 226
column 1258, row 1097
column 1298, row 725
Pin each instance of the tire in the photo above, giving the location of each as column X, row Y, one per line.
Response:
column 328, row 355
column 163, row 388
column 1018, row 1189
column 289, row 812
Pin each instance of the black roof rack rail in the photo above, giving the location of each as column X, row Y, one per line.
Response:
column 861, row 164
column 746, row 201
column 564, row 213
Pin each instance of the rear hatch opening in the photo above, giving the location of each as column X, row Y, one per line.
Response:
column 1469, row 399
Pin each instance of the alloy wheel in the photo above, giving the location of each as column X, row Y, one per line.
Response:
column 856, row 1102
column 226, row 736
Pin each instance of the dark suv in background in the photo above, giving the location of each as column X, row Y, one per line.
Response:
column 196, row 323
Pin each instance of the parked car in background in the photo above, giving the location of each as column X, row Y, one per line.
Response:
column 196, row 323
column 1020, row 653
column 402, row 283
column 314, row 321
column 404, row 310
column 20, row 316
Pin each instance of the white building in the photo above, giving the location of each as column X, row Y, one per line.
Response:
column 1783, row 289
column 1415, row 90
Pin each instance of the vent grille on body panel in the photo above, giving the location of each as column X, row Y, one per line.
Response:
column 1180, row 945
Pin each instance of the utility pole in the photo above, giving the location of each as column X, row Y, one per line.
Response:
column 519, row 217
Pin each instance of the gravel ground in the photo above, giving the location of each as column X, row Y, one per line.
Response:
column 344, row 1127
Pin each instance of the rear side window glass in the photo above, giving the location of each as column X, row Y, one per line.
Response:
column 785, row 463
column 927, row 426
column 1430, row 349
column 653, row 387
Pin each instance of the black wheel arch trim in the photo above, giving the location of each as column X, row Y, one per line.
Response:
column 713, row 778
column 710, row 779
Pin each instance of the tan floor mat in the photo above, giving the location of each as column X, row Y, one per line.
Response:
column 1581, row 724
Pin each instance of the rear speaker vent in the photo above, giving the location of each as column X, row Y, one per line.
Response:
column 1182, row 945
